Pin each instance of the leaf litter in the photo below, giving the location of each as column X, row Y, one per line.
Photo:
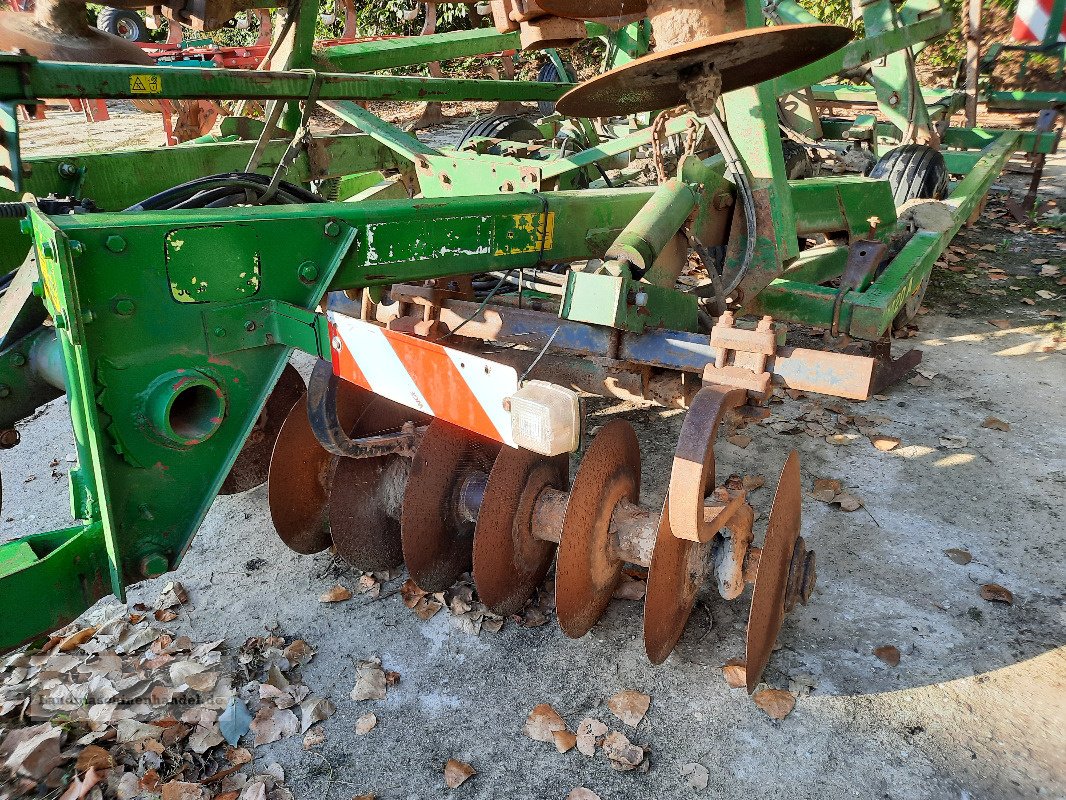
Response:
column 121, row 708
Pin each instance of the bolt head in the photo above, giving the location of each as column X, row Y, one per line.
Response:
column 115, row 243
column 308, row 272
column 250, row 326
column 125, row 307
column 337, row 343
column 332, row 228
column 220, row 333
column 5, row 390
column 18, row 359
column 154, row 565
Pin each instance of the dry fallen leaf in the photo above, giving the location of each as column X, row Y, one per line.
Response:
column 338, row 594
column 75, row 639
column 315, row 709
column 994, row 593
column 696, row 775
column 589, row 732
column 739, row 440
column 825, row 489
column 624, row 755
column 179, row 790
column 735, row 673
column 777, row 703
column 996, row 424
column 953, row 441
column 920, row 381
column 94, row 756
column 1002, row 324
column 272, row 724
column 425, row 609
column 958, row 555
column 581, row 793
column 629, row 706
column 456, row 773
column 885, row 443
column 542, row 722
column 847, row 502
column 564, row 740
column 888, row 653
column 371, row 681
column 365, row 724
column 313, row 739
column 173, row 594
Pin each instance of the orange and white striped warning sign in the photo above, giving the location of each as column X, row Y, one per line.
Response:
column 457, row 387
column 1032, row 20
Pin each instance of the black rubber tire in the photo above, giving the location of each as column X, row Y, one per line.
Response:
column 797, row 160
column 511, row 128
column 128, row 25
column 914, row 171
column 550, row 74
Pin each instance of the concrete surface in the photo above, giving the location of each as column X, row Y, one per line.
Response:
column 975, row 709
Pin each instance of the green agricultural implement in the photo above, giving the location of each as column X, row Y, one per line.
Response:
column 461, row 301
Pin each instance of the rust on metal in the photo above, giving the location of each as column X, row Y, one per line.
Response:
column 593, row 9
column 363, row 532
column 768, row 601
column 743, row 58
column 59, row 30
column 436, row 534
column 252, row 467
column 589, row 567
column 301, row 475
column 692, row 474
column 678, row 570
column 510, row 560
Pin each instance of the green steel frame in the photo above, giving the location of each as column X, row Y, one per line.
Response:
column 160, row 419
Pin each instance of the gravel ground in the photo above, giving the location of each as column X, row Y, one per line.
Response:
column 976, row 707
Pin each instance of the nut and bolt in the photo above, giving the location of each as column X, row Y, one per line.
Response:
column 337, row 343
column 154, row 564
column 5, row 390
column 332, row 229
column 48, row 249
column 18, row 359
column 220, row 332
column 9, row 438
column 76, row 248
column 68, row 170
column 125, row 307
column 308, row 272
column 115, row 243
column 250, row 326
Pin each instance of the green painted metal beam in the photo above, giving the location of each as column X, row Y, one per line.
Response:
column 962, row 138
column 47, row 79
column 410, row 51
column 48, row 580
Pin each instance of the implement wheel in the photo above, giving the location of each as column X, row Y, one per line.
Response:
column 913, row 172
column 124, row 24
column 508, row 127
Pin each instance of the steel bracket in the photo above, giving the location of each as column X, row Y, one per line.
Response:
column 740, row 356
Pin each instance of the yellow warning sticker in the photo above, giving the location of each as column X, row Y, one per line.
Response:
column 145, row 84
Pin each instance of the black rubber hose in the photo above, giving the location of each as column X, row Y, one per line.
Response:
column 13, row 211
column 185, row 195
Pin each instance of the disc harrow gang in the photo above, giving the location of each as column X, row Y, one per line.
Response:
column 458, row 501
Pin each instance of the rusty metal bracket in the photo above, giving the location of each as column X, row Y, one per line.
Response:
column 864, row 257
column 889, row 371
column 740, row 356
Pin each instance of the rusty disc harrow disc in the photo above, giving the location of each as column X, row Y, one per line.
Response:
column 301, row 475
column 678, row 570
column 593, row 9
column 744, row 58
column 252, row 467
column 20, row 31
column 588, row 569
column 692, row 474
column 509, row 561
column 437, row 539
column 366, row 494
column 768, row 598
